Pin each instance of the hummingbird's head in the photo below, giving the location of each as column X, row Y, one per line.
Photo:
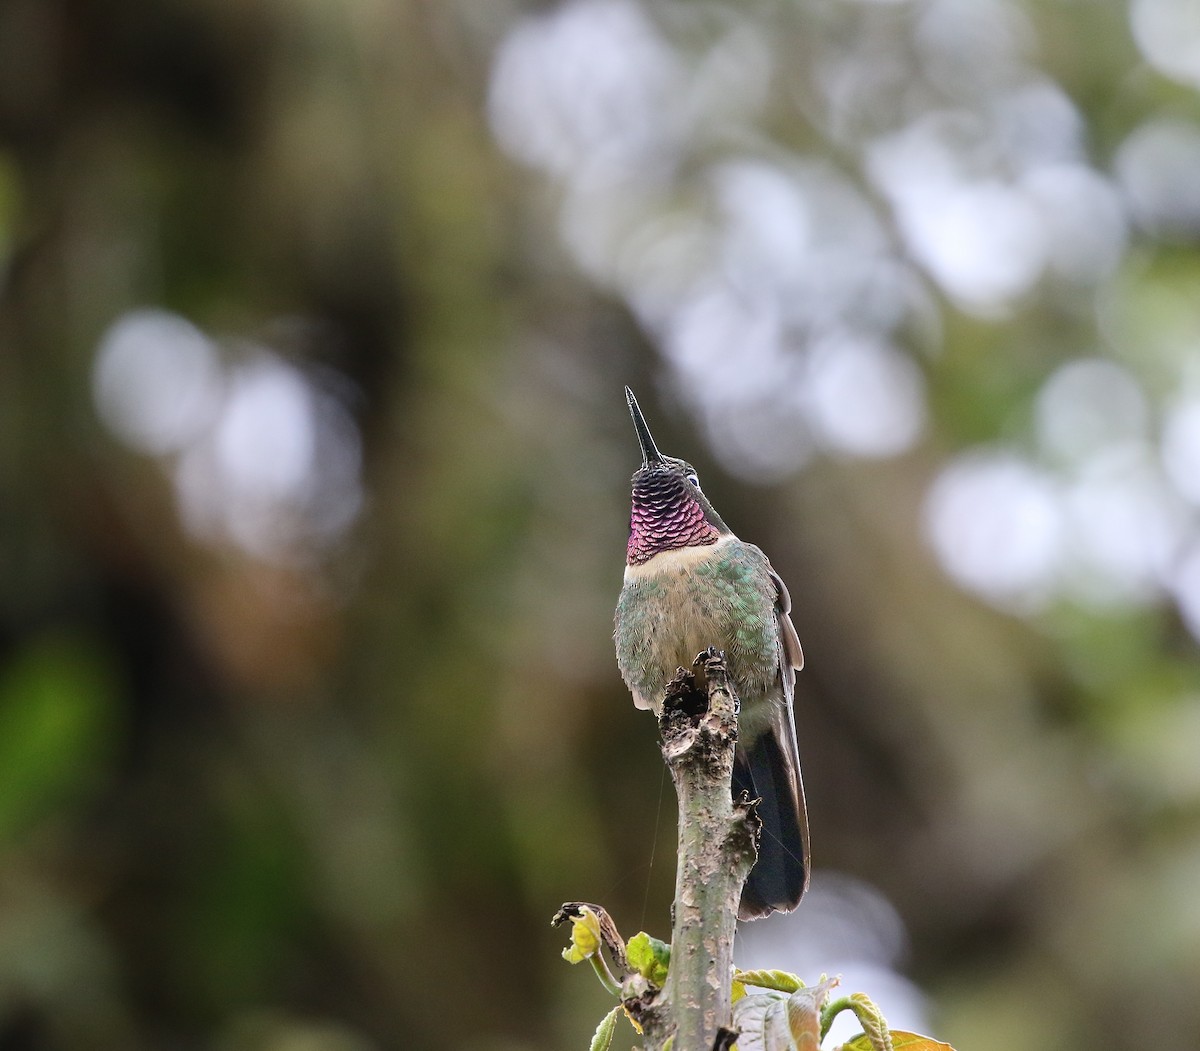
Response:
column 669, row 509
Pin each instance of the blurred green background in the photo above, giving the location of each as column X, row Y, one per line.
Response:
column 314, row 319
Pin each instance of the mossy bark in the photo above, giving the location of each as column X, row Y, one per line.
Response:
column 716, row 850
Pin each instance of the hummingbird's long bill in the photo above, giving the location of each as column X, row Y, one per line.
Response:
column 650, row 453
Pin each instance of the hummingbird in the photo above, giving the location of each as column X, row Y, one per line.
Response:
column 690, row 584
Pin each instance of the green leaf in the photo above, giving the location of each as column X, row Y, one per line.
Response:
column 650, row 957
column 603, row 1037
column 875, row 1027
column 901, row 1041
column 782, row 981
column 874, row 1024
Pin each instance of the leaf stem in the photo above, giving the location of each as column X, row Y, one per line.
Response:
column 600, row 966
column 869, row 1017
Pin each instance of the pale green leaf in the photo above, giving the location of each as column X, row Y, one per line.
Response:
column 762, row 1020
column 782, row 981
column 603, row 1037
column 777, row 1021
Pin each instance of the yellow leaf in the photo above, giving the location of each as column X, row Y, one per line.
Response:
column 585, row 936
column 916, row 1042
column 901, row 1041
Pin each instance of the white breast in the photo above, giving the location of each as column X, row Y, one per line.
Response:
column 678, row 560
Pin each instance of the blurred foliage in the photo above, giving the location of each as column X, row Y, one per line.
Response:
column 294, row 734
column 55, row 702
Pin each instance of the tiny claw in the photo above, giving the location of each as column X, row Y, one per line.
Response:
column 710, row 654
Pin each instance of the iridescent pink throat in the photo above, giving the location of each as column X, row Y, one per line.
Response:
column 665, row 518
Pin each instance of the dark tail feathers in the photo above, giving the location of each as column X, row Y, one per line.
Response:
column 770, row 771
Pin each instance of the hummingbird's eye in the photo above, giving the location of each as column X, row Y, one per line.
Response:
column 693, row 479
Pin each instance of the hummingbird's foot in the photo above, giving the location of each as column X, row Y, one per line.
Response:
column 706, row 660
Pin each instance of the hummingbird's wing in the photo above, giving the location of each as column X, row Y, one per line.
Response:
column 639, row 701
column 792, row 653
column 768, row 767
